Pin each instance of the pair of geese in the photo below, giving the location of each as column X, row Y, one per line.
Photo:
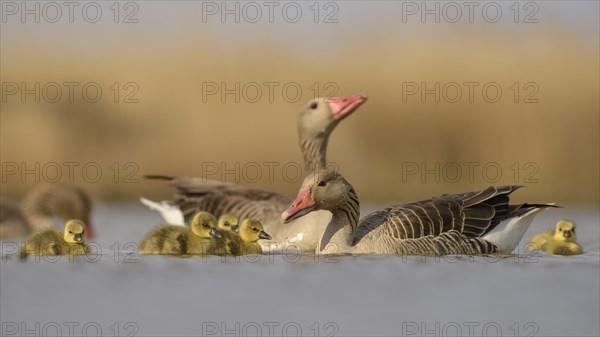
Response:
column 325, row 215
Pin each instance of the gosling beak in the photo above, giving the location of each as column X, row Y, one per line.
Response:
column 567, row 234
column 303, row 205
column 89, row 231
column 215, row 233
column 235, row 228
column 264, row 235
column 78, row 237
column 342, row 107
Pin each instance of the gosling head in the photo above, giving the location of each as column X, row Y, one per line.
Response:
column 226, row 222
column 321, row 190
column 321, row 115
column 204, row 225
column 565, row 231
column 74, row 231
column 251, row 231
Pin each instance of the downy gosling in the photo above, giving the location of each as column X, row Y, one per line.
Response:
column 559, row 241
column 52, row 242
column 249, row 232
column 198, row 239
column 229, row 238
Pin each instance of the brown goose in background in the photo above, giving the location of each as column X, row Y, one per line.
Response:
column 449, row 224
column 316, row 121
column 40, row 205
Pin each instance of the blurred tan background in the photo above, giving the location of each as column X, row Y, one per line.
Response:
column 170, row 53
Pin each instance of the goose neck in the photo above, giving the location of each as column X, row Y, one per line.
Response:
column 339, row 233
column 314, row 152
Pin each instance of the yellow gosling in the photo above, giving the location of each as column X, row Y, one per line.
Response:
column 198, row 239
column 52, row 242
column 250, row 231
column 559, row 241
column 203, row 242
column 227, row 243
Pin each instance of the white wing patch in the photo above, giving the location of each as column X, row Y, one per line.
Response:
column 170, row 213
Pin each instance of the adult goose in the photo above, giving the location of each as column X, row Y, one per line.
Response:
column 449, row 224
column 40, row 205
column 316, row 121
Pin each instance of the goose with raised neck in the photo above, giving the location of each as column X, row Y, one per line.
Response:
column 316, row 121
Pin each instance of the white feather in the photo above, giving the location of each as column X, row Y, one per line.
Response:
column 508, row 239
column 170, row 213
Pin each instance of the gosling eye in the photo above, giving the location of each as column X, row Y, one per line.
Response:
column 560, row 229
column 205, row 225
column 314, row 105
column 255, row 230
column 226, row 224
column 322, row 183
column 70, row 232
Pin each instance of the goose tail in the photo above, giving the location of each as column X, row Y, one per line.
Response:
column 508, row 238
column 170, row 213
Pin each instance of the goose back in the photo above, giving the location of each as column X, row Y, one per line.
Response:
column 472, row 214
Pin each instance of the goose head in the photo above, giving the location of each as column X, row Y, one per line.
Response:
column 319, row 117
column 74, row 231
column 226, row 222
column 320, row 190
column 204, row 225
column 565, row 231
column 251, row 231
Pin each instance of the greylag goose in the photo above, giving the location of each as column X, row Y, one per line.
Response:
column 316, row 121
column 449, row 224
column 561, row 240
column 53, row 242
column 40, row 205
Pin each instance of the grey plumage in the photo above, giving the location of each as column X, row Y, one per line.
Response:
column 449, row 224
column 40, row 205
column 472, row 214
column 197, row 194
column 224, row 198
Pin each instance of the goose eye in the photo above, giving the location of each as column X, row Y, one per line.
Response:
column 322, row 183
column 70, row 232
column 314, row 105
column 205, row 225
column 255, row 230
column 226, row 224
column 560, row 229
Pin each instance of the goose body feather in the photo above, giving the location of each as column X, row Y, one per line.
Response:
column 459, row 223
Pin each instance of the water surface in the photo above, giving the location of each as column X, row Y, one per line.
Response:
column 121, row 292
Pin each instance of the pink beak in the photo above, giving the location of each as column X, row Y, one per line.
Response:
column 344, row 106
column 303, row 205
